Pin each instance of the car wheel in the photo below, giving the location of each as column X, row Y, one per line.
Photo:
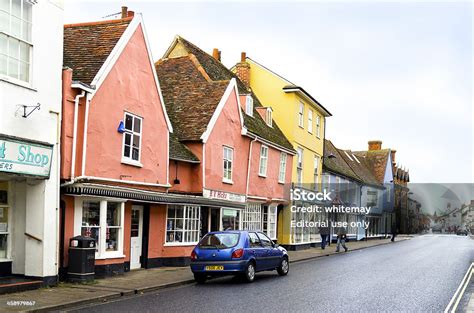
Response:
column 200, row 278
column 284, row 267
column 249, row 274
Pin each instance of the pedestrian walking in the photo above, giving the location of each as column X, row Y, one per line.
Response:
column 324, row 233
column 341, row 239
column 394, row 232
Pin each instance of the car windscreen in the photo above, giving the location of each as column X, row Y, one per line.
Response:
column 219, row 241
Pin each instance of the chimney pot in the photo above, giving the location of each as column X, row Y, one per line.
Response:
column 220, row 53
column 124, row 11
column 375, row 145
column 130, row 14
column 243, row 57
column 215, row 54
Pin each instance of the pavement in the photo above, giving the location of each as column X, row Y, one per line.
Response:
column 66, row 295
column 417, row 275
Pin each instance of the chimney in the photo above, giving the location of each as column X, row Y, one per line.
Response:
column 392, row 155
column 216, row 54
column 242, row 69
column 124, row 12
column 375, row 145
column 130, row 14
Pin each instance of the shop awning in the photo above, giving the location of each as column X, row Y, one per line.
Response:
column 100, row 190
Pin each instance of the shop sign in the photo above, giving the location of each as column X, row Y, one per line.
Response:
column 222, row 195
column 25, row 158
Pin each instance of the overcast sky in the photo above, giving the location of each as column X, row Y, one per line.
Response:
column 398, row 72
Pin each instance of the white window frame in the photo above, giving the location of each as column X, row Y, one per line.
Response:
column 310, row 121
column 299, row 165
column 263, row 164
column 317, row 160
column 318, row 126
column 194, row 219
column 249, row 105
column 282, row 168
column 251, row 217
column 128, row 159
column 268, row 117
column 102, row 253
column 272, row 219
column 225, row 179
column 301, row 115
column 374, row 193
column 21, row 40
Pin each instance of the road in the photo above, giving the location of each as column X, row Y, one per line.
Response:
column 415, row 275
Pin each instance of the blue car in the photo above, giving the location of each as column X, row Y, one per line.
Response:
column 240, row 253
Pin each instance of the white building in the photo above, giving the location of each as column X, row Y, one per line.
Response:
column 31, row 40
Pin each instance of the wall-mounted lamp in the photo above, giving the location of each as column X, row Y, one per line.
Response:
column 121, row 127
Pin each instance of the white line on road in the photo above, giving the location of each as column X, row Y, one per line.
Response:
column 453, row 304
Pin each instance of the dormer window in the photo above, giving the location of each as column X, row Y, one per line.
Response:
column 268, row 117
column 249, row 105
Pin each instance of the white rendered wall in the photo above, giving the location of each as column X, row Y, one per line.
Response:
column 41, row 197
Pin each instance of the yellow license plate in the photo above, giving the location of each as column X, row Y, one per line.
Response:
column 214, row 268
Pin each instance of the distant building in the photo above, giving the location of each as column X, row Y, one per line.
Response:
column 467, row 216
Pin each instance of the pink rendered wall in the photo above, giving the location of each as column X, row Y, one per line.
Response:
column 268, row 186
column 67, row 127
column 227, row 131
column 189, row 175
column 130, row 87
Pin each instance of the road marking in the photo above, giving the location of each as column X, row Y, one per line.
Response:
column 453, row 304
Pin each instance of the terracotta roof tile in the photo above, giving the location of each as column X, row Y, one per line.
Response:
column 189, row 98
column 87, row 46
column 376, row 161
column 180, row 152
column 218, row 72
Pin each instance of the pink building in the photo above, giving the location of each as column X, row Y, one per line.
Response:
column 147, row 174
column 245, row 160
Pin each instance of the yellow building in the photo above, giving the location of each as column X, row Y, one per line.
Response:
column 303, row 121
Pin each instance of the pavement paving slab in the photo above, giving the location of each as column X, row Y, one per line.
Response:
column 67, row 295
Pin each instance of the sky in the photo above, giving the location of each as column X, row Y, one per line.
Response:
column 399, row 72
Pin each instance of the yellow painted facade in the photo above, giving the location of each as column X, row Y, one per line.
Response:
column 302, row 131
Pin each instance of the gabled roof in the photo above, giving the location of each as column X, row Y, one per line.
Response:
column 336, row 164
column 291, row 87
column 346, row 164
column 206, row 68
column 376, row 161
column 87, row 46
column 190, row 99
column 180, row 152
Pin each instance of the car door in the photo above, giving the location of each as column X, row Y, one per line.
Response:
column 272, row 254
column 256, row 249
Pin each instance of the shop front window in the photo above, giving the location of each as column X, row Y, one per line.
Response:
column 91, row 221
column 4, row 229
column 182, row 224
column 103, row 221
column 230, row 219
column 113, row 226
column 252, row 217
column 270, row 221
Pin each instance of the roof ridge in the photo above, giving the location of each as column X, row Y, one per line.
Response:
column 98, row 22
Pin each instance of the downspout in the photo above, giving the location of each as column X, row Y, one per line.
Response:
column 84, row 141
column 74, row 136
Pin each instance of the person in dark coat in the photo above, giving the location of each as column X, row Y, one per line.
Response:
column 324, row 233
column 394, row 232
column 341, row 239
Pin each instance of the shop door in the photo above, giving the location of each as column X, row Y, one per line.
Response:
column 136, row 237
column 214, row 219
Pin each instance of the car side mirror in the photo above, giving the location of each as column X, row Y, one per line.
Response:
column 275, row 245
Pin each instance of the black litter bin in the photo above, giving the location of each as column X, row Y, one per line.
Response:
column 81, row 259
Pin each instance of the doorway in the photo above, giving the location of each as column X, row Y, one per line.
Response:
column 136, row 237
